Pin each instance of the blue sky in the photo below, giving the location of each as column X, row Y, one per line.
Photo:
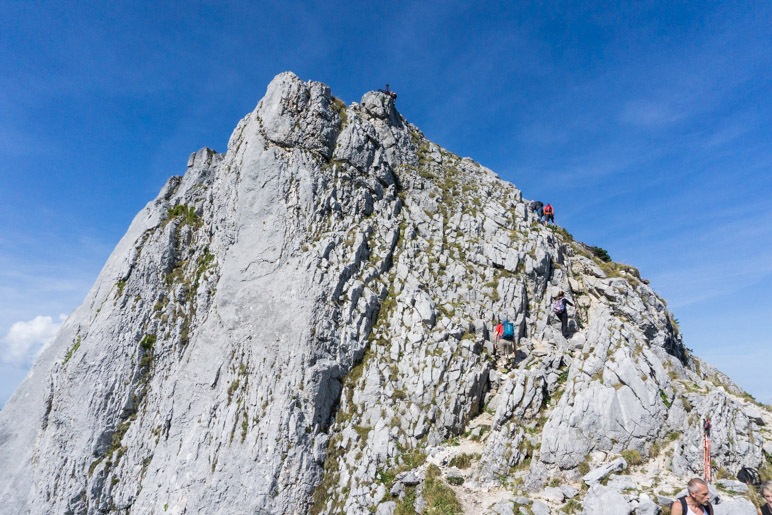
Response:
column 646, row 124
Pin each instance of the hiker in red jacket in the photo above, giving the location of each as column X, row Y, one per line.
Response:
column 549, row 214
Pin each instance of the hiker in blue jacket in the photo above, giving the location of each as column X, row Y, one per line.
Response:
column 505, row 335
column 561, row 311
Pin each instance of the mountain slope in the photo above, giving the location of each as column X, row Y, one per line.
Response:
column 294, row 324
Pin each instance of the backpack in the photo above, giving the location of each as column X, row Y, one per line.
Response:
column 509, row 331
column 548, row 209
column 749, row 476
column 558, row 306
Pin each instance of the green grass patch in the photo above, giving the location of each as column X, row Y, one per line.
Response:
column 406, row 505
column 71, row 350
column 462, row 461
column 632, row 457
column 186, row 213
column 120, row 286
column 571, row 507
column 439, row 497
column 147, row 342
column 665, row 399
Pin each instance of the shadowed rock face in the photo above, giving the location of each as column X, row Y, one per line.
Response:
column 295, row 321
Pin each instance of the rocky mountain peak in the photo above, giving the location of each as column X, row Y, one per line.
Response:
column 305, row 324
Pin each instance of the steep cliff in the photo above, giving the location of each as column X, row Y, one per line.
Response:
column 304, row 324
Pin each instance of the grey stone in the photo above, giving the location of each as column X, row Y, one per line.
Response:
column 386, row 508
column 539, row 508
column 599, row 473
column 647, row 507
column 568, row 491
column 504, row 507
column 408, row 478
column 664, row 500
column 754, row 414
column 621, row 483
column 733, row 486
column 734, row 506
column 553, row 494
column 601, row 500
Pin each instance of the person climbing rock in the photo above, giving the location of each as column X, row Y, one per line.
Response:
column 497, row 332
column 549, row 214
column 695, row 502
column 538, row 207
column 507, row 339
column 387, row 91
column 559, row 307
column 766, row 493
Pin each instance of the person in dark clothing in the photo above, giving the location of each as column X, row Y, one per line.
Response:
column 561, row 311
column 538, row 208
column 766, row 493
column 392, row 94
column 695, row 502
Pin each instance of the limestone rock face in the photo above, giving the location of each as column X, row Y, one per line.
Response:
column 304, row 323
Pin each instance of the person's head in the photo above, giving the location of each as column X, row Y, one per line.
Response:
column 560, row 293
column 766, row 491
column 698, row 490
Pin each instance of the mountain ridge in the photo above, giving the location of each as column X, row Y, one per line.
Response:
column 298, row 323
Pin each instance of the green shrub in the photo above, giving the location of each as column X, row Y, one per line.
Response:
column 187, row 213
column 147, row 342
column 600, row 253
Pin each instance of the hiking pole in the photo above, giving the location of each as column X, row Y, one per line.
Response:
column 706, row 450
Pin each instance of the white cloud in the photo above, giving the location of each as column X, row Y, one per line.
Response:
column 25, row 339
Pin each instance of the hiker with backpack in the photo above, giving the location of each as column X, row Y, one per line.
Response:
column 538, row 207
column 549, row 214
column 696, row 501
column 505, row 332
column 560, row 309
column 498, row 332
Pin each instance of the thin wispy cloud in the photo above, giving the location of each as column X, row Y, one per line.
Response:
column 651, row 115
